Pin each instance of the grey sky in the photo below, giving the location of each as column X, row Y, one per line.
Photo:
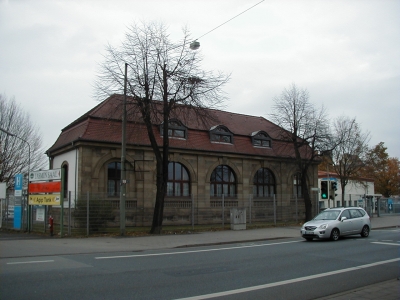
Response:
column 346, row 53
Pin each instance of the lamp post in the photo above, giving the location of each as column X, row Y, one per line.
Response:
column 29, row 165
column 122, row 196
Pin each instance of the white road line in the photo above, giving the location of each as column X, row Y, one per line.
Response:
column 269, row 285
column 384, row 243
column 194, row 251
column 29, row 262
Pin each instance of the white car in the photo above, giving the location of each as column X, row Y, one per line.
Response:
column 333, row 223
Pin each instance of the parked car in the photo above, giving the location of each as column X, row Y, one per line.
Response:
column 333, row 223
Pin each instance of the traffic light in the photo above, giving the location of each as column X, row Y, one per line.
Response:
column 334, row 185
column 324, row 189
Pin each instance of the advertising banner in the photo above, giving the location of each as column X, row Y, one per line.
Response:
column 45, row 187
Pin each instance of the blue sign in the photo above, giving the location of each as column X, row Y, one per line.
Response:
column 18, row 182
column 17, row 217
column 390, row 204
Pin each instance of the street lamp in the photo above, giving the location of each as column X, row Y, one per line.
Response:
column 29, row 165
column 122, row 195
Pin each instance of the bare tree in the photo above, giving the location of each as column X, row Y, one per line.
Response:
column 20, row 142
column 306, row 130
column 162, row 76
column 350, row 151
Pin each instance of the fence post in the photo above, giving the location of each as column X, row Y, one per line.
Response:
column 69, row 213
column 250, row 198
column 87, row 214
column 223, row 211
column 296, row 207
column 192, row 212
column 274, row 210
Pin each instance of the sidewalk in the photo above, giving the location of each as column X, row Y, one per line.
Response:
column 12, row 248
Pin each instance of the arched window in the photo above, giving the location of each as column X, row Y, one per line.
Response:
column 264, row 183
column 178, row 180
column 175, row 129
column 297, row 185
column 261, row 139
column 221, row 134
column 113, row 179
column 223, row 182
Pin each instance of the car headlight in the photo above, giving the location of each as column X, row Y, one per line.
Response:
column 323, row 226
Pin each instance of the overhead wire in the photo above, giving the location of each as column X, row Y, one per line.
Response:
column 230, row 19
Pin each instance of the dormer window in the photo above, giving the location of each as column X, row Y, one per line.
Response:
column 261, row 139
column 221, row 134
column 175, row 129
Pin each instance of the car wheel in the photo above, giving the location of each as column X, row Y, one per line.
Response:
column 365, row 231
column 335, row 234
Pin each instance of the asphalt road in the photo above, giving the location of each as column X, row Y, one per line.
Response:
column 278, row 269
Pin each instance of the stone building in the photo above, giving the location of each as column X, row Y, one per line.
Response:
column 226, row 159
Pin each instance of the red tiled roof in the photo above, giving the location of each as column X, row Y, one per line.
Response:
column 103, row 124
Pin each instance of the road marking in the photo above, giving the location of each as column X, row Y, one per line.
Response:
column 274, row 284
column 194, row 251
column 385, row 243
column 29, row 262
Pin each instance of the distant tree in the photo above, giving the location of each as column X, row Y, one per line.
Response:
column 163, row 76
column 306, row 129
column 15, row 157
column 384, row 170
column 351, row 147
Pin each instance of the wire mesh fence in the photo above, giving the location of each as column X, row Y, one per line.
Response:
column 94, row 214
column 98, row 214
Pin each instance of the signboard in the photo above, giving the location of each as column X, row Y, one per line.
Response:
column 45, row 175
column 3, row 188
column 390, row 204
column 45, row 187
column 329, row 179
column 18, row 179
column 40, row 214
column 53, row 199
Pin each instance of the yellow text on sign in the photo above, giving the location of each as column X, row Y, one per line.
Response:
column 53, row 199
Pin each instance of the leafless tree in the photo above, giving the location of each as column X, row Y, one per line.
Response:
column 349, row 154
column 306, row 129
column 20, row 142
column 162, row 77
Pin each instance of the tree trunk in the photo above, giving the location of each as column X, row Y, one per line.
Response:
column 306, row 196
column 156, row 226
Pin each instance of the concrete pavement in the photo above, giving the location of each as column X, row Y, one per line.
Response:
column 30, row 246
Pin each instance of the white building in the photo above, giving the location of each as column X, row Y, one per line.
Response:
column 357, row 192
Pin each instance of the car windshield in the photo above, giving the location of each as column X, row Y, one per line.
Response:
column 328, row 215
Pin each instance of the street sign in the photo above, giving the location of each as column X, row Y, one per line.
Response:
column 53, row 199
column 45, row 175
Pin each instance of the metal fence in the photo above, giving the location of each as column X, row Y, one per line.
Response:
column 92, row 214
column 98, row 214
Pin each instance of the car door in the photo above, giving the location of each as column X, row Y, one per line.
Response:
column 356, row 220
column 345, row 226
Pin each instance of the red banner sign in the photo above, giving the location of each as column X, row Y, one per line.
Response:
column 45, row 187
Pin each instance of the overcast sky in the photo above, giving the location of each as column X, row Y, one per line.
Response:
column 345, row 53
